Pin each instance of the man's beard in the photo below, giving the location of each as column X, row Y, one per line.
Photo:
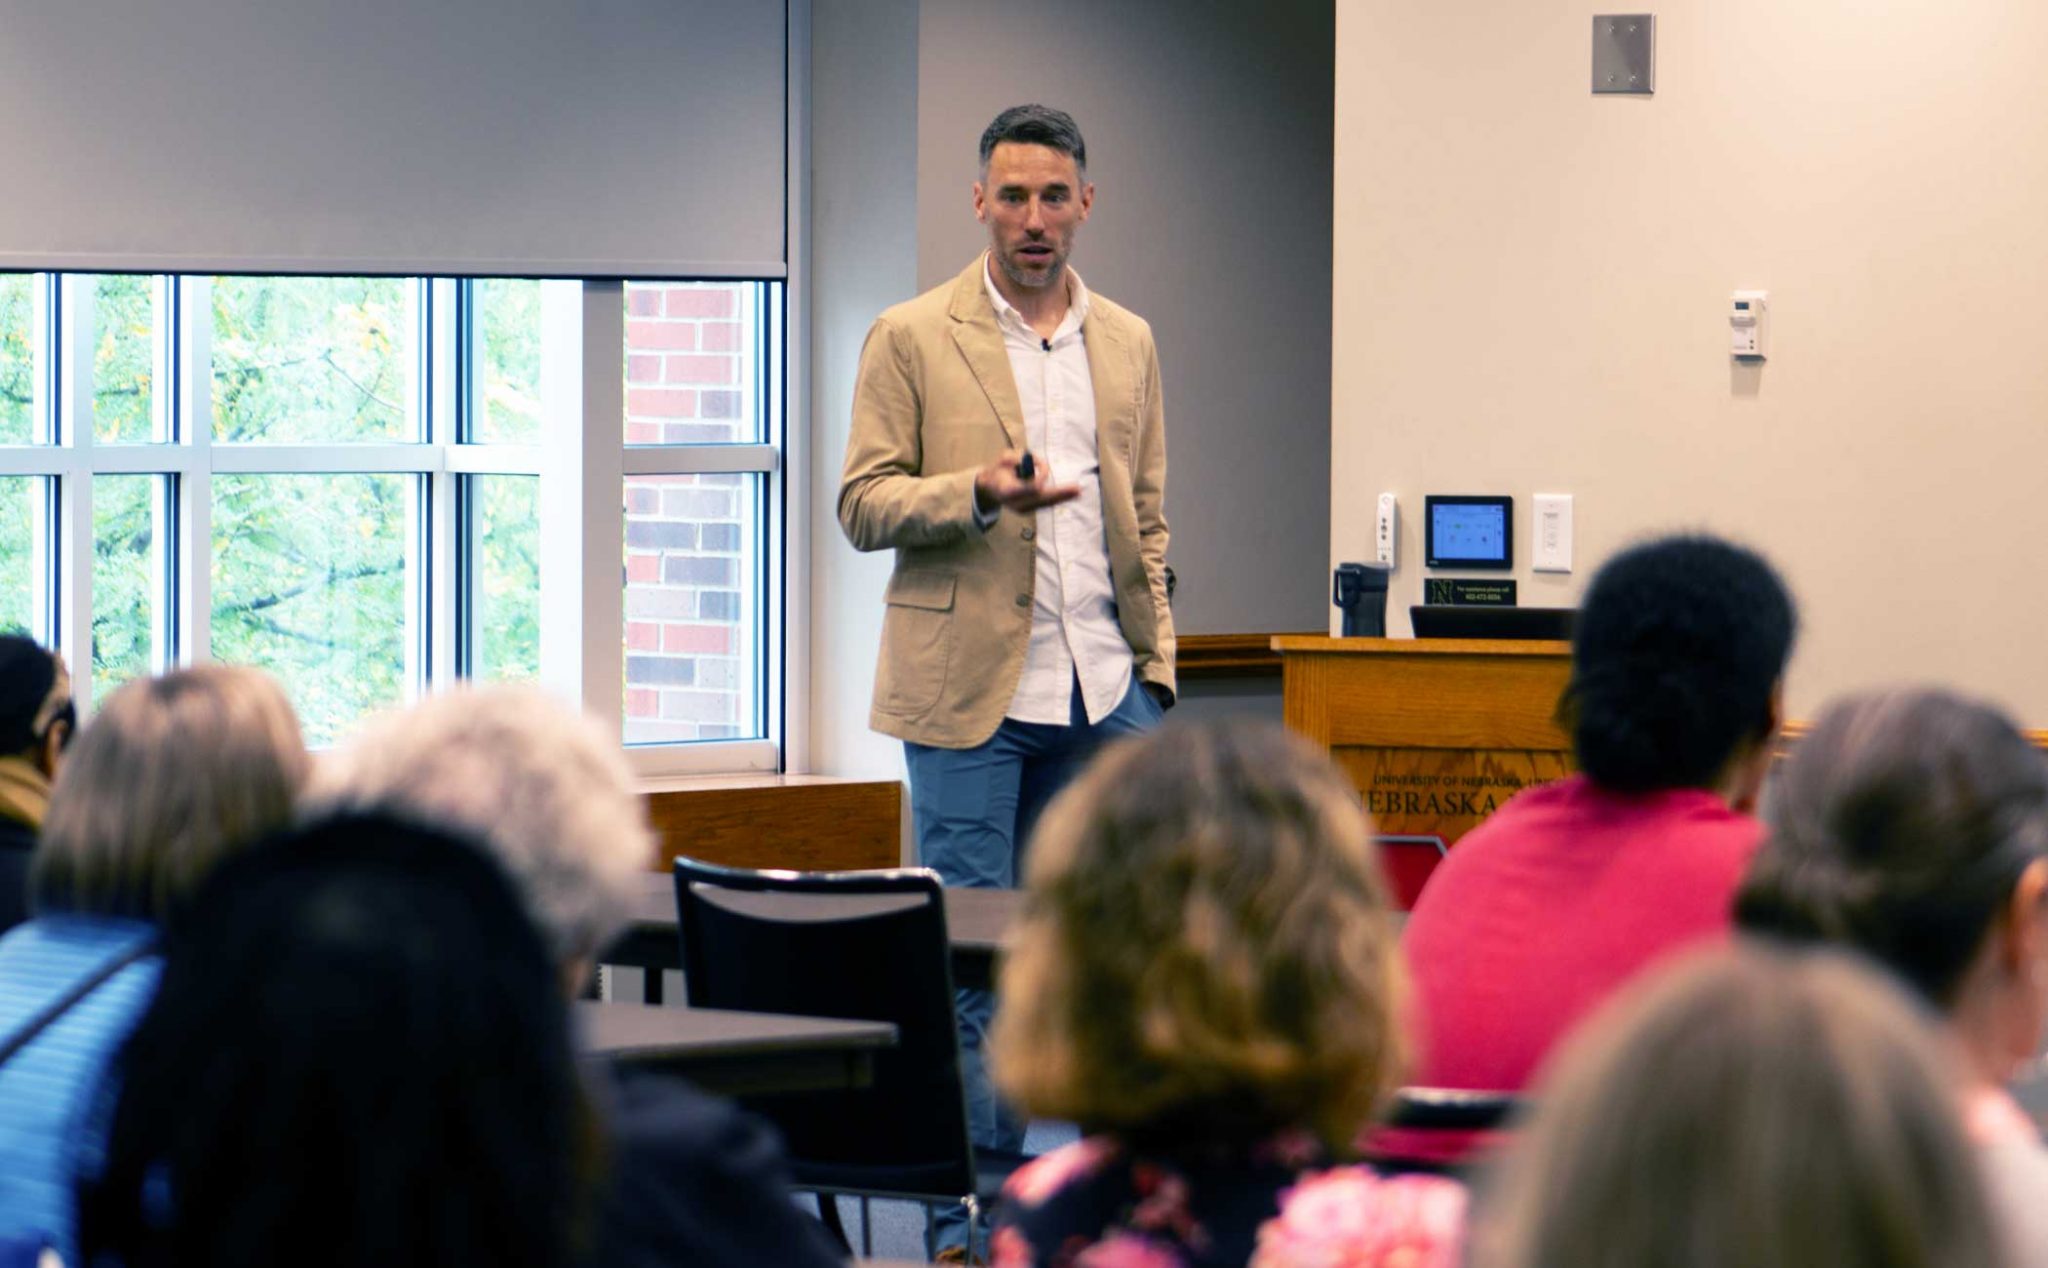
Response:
column 1032, row 281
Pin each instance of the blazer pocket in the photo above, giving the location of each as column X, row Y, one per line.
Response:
column 917, row 642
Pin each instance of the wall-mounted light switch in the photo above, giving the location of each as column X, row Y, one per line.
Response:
column 1383, row 530
column 1553, row 534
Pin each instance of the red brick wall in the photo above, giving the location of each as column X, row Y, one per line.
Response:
column 692, row 544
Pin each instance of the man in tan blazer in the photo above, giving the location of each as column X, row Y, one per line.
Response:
column 1008, row 444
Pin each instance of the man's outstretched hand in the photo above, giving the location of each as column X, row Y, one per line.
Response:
column 998, row 484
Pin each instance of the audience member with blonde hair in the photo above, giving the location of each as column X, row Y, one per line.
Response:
column 172, row 775
column 1205, row 979
column 544, row 790
column 1913, row 826
column 1745, row 1108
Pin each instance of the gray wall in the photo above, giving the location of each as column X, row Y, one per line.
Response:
column 1209, row 141
column 863, row 248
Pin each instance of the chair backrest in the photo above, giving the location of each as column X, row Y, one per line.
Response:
column 1407, row 862
column 864, row 945
column 1452, row 1109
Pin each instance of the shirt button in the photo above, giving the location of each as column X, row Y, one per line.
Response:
column 1023, row 600
column 1029, row 532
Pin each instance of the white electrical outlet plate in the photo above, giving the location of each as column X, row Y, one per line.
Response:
column 1553, row 536
column 1383, row 530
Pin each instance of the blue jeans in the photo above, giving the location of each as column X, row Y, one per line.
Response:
column 973, row 810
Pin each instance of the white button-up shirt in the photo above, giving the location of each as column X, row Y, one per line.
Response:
column 1074, row 630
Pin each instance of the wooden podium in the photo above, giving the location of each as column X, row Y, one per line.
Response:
column 1434, row 732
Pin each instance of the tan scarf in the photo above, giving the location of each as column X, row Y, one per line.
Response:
column 24, row 792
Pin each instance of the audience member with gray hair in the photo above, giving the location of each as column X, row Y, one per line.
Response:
column 538, row 783
column 541, row 787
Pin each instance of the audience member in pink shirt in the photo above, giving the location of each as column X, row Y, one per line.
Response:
column 1571, row 889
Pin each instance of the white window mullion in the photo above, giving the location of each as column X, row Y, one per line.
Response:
column 644, row 460
column 43, row 419
column 419, row 494
column 443, row 536
column 194, row 511
column 494, row 459
column 141, row 459
column 163, row 362
column 766, row 599
column 73, row 580
column 582, row 491
column 340, row 459
column 163, row 597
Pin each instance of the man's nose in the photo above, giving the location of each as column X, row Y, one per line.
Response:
column 1034, row 216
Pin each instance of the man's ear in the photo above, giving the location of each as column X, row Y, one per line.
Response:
column 50, row 749
column 980, row 203
column 1087, row 198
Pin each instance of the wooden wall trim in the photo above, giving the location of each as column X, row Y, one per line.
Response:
column 1228, row 655
column 804, row 823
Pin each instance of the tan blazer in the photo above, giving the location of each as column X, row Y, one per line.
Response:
column 934, row 403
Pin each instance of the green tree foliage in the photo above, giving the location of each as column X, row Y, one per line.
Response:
column 17, row 410
column 508, row 586
column 123, row 359
column 17, row 357
column 508, row 404
column 309, row 572
column 124, row 508
column 507, row 410
column 124, row 565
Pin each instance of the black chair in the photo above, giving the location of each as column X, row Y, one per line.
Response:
column 1445, row 1109
column 1452, row 1109
column 865, row 945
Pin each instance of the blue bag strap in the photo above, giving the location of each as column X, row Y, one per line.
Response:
column 64, row 1003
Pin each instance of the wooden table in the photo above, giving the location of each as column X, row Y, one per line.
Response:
column 732, row 1053
column 977, row 922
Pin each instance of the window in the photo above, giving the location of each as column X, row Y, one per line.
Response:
column 695, row 517
column 344, row 481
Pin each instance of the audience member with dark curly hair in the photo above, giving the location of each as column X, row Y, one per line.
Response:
column 1913, row 826
column 359, row 1055
column 1572, row 888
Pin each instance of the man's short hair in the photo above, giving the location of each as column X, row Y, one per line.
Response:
column 35, row 691
column 1036, row 125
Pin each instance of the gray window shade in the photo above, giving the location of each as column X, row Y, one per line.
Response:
column 638, row 138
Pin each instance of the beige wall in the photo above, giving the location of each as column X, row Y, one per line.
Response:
column 1531, row 287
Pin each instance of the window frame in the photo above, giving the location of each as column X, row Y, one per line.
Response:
column 581, row 461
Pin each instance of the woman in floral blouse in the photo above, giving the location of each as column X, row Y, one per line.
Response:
column 1205, row 979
